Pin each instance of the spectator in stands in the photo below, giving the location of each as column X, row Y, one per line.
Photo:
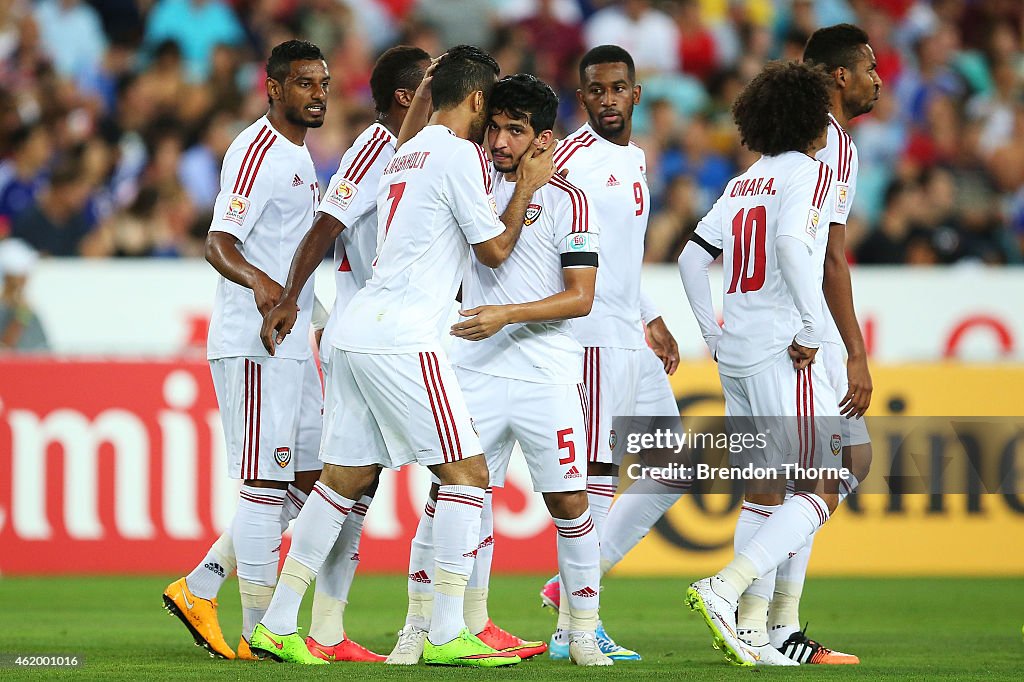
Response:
column 22, row 174
column 56, row 222
column 197, row 26
column 72, row 35
column 20, row 328
column 648, row 34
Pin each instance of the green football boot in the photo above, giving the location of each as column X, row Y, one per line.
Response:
column 466, row 650
column 282, row 648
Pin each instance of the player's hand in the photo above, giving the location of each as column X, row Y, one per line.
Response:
column 423, row 89
column 277, row 324
column 802, row 356
column 484, row 322
column 267, row 293
column 663, row 344
column 858, row 396
column 536, row 168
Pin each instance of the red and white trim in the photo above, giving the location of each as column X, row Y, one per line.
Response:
column 364, row 160
column 806, row 431
column 482, row 155
column 253, row 408
column 326, row 495
column 601, row 489
column 579, row 530
column 822, row 187
column 845, row 161
column 294, row 499
column 444, row 495
column 256, row 498
column 360, row 508
column 759, row 512
column 444, row 419
column 566, row 150
column 429, row 509
column 592, row 380
column 580, row 208
column 812, row 500
column 252, row 161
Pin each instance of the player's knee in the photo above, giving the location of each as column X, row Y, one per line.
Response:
column 764, row 498
column 602, row 469
column 471, row 471
column 349, row 482
column 857, row 458
column 305, row 480
column 566, row 505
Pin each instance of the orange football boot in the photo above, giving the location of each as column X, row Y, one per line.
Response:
column 243, row 652
column 499, row 639
column 199, row 616
column 345, row 650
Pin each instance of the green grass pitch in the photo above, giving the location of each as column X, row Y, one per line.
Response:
column 907, row 629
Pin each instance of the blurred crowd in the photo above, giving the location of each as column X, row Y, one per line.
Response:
column 115, row 114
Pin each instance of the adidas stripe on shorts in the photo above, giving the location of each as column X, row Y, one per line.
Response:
column 393, row 409
column 271, row 410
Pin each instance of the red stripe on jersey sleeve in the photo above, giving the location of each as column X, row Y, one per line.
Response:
column 580, row 209
column 251, row 180
column 247, row 159
column 361, row 156
column 483, row 167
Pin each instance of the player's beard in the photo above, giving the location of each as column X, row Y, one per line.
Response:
column 296, row 116
column 477, row 127
column 615, row 128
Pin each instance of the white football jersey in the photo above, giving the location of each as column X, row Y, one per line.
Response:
column 351, row 197
column 268, row 193
column 558, row 232
column 840, row 153
column 787, row 194
column 434, row 200
column 614, row 177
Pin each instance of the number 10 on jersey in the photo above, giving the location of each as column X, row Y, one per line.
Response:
column 748, row 235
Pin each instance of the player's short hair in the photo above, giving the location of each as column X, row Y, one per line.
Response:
column 462, row 70
column 398, row 68
column 523, row 96
column 607, row 54
column 281, row 57
column 784, row 108
column 835, row 46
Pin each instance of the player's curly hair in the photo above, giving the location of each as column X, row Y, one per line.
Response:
column 784, row 108
column 524, row 96
column 398, row 68
column 462, row 70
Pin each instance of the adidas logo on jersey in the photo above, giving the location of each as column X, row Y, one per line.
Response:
column 355, row 557
column 587, row 591
column 296, row 181
column 612, row 182
column 215, row 567
column 573, row 472
column 420, row 577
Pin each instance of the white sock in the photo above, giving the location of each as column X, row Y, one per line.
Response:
column 421, row 571
column 256, row 536
column 475, row 608
column 335, row 578
column 847, row 485
column 600, row 493
column 293, row 502
column 634, row 514
column 784, row 614
column 205, row 579
column 578, row 566
column 786, row 531
column 456, row 535
column 316, row 530
column 752, row 614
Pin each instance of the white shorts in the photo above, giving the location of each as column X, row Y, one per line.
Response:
column 546, row 419
column 622, row 382
column 272, row 413
column 830, row 355
column 393, row 409
column 796, row 412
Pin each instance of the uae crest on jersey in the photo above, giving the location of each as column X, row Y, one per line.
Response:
column 836, row 444
column 282, row 456
column 532, row 213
